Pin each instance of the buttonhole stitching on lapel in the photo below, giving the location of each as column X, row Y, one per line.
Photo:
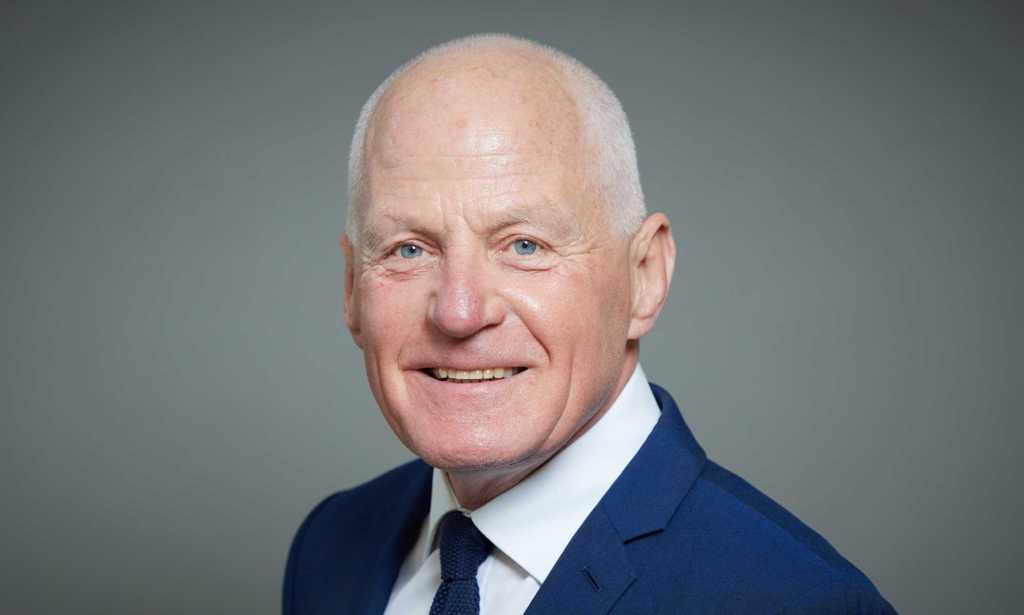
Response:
column 592, row 580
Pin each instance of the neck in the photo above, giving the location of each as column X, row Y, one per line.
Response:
column 474, row 488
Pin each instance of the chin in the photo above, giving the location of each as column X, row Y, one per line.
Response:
column 468, row 455
column 466, row 427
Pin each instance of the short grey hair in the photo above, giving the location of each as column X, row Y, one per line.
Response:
column 613, row 174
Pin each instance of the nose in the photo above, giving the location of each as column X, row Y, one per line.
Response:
column 464, row 302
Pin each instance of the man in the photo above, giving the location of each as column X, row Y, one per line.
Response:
column 501, row 270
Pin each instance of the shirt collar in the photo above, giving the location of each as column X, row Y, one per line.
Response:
column 534, row 521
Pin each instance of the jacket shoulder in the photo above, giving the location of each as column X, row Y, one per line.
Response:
column 731, row 548
column 839, row 597
column 781, row 561
column 348, row 527
column 366, row 501
column 749, row 509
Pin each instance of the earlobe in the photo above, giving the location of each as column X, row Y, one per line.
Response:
column 351, row 312
column 653, row 260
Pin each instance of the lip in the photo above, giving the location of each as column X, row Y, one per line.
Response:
column 456, row 395
column 507, row 372
column 466, row 365
column 424, row 372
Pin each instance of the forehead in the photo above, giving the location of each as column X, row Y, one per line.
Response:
column 484, row 131
column 485, row 201
column 472, row 104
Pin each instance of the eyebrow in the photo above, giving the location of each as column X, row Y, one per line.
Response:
column 530, row 213
column 372, row 238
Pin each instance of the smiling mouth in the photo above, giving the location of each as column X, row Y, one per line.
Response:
column 472, row 375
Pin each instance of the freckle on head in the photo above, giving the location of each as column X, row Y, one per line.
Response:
column 450, row 92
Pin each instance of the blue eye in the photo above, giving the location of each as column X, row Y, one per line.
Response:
column 409, row 250
column 524, row 247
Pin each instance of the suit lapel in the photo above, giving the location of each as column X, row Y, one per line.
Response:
column 591, row 574
column 399, row 527
column 595, row 569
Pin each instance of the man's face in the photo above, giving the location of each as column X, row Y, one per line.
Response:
column 489, row 296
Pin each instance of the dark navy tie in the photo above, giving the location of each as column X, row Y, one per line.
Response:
column 463, row 549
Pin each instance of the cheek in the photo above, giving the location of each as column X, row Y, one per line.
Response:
column 580, row 312
column 601, row 326
column 389, row 309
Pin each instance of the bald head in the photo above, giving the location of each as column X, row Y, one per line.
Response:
column 477, row 103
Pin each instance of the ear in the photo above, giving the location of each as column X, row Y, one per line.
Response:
column 351, row 312
column 652, row 260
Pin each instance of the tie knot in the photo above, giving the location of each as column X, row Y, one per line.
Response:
column 463, row 547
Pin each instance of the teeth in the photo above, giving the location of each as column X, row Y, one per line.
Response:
column 444, row 373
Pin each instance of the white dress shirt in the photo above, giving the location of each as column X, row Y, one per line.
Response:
column 531, row 523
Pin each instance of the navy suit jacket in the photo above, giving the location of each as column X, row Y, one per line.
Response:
column 675, row 533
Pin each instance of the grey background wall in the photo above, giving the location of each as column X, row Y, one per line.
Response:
column 178, row 390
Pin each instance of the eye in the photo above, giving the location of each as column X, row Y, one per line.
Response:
column 524, row 247
column 409, row 250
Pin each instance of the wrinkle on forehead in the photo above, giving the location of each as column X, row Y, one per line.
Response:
column 482, row 216
column 475, row 103
column 455, row 167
